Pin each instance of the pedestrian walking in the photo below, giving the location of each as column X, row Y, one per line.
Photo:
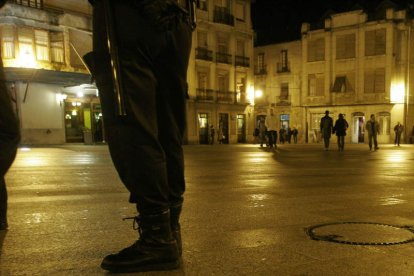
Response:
column 398, row 129
column 145, row 141
column 372, row 126
column 212, row 134
column 9, row 140
column 262, row 131
column 271, row 124
column 340, row 127
column 282, row 135
column 295, row 135
column 326, row 127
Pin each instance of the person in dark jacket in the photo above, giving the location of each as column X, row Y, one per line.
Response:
column 372, row 127
column 326, row 129
column 9, row 140
column 340, row 127
column 153, row 43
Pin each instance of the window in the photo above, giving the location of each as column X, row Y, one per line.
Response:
column 202, row 39
column 260, row 60
column 202, row 80
column 223, row 82
column 56, row 47
column 284, row 121
column 284, row 91
column 284, row 58
column 202, row 5
column 374, row 81
column 222, row 45
column 375, row 42
column 240, row 51
column 240, row 11
column 345, row 46
column 240, row 87
column 42, row 45
column 30, row 3
column 316, row 85
column 8, row 36
column 316, row 49
column 25, row 38
column 344, row 83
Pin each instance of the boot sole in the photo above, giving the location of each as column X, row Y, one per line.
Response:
column 142, row 268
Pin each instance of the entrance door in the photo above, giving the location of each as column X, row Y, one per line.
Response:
column 223, row 131
column 241, row 128
column 358, row 129
column 203, row 123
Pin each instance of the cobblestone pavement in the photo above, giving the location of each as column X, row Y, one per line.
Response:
column 248, row 211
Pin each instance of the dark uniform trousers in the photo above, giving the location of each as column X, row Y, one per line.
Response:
column 154, row 44
column 9, row 139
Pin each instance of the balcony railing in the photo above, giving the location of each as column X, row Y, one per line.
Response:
column 226, row 96
column 241, row 61
column 222, row 15
column 223, row 58
column 209, row 95
column 283, row 100
column 204, row 94
column 204, row 54
column 260, row 70
column 283, row 67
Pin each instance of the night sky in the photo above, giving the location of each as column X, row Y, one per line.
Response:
column 280, row 20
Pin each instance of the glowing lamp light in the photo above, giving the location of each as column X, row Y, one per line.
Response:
column 397, row 92
column 258, row 94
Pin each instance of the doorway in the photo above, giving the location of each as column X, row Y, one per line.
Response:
column 203, row 124
column 241, row 128
column 358, row 129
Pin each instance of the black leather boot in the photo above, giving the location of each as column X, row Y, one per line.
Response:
column 175, row 212
column 156, row 249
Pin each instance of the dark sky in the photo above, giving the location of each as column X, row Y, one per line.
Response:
column 280, row 20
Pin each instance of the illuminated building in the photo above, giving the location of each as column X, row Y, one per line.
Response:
column 42, row 43
column 353, row 63
column 43, row 40
column 220, row 73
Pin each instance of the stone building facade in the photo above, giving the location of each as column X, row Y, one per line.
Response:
column 355, row 64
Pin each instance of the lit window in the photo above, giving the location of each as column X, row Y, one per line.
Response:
column 42, row 45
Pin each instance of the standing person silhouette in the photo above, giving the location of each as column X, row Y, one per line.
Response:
column 372, row 126
column 326, row 129
column 398, row 129
column 153, row 43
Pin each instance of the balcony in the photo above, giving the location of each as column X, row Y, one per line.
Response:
column 260, row 70
column 209, row 95
column 204, row 54
column 283, row 67
column 205, row 95
column 242, row 61
column 226, row 96
column 283, row 100
column 222, row 15
column 223, row 58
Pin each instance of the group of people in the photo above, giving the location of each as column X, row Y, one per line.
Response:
column 341, row 125
column 266, row 131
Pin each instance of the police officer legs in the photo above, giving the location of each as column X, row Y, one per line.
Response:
column 146, row 144
column 9, row 139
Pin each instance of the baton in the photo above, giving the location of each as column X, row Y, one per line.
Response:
column 113, row 51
